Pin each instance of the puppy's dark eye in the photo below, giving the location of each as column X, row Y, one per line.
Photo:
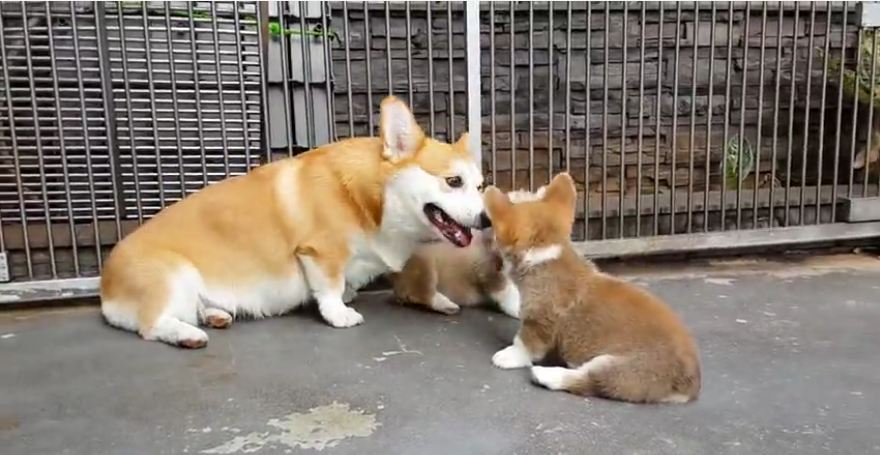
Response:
column 454, row 182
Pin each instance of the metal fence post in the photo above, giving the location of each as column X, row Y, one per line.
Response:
column 472, row 15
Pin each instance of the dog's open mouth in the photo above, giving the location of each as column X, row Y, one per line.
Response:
column 459, row 235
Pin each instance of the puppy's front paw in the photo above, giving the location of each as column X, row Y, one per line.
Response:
column 510, row 357
column 343, row 317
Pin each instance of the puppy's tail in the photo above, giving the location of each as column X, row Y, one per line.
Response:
column 584, row 380
column 622, row 378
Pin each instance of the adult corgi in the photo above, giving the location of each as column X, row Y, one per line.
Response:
column 316, row 226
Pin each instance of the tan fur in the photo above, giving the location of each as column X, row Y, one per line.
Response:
column 641, row 351
column 467, row 276
column 249, row 229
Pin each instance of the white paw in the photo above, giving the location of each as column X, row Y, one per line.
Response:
column 343, row 317
column 512, row 356
column 442, row 304
column 553, row 378
column 349, row 294
column 509, row 300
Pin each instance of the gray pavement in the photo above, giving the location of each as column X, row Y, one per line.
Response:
column 790, row 351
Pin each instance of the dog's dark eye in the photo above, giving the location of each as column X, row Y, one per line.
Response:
column 454, row 182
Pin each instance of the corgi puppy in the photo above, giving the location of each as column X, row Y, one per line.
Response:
column 443, row 278
column 617, row 340
column 316, row 226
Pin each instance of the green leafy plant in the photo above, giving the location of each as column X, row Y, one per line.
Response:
column 858, row 83
column 739, row 160
column 276, row 29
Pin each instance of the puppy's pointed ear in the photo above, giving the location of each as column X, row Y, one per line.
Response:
column 497, row 203
column 562, row 191
column 401, row 135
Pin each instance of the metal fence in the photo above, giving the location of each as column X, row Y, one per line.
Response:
column 686, row 125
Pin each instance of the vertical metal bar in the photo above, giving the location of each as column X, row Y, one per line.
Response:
column 840, row 87
column 103, row 45
column 855, row 115
column 760, row 120
column 306, row 47
column 388, row 47
column 174, row 106
column 409, row 71
column 607, row 38
column 430, row 32
column 776, row 96
column 727, row 106
column 74, row 246
column 245, row 130
column 587, row 121
column 197, row 90
column 709, row 119
column 531, row 96
column 328, row 73
column 16, row 158
column 568, row 51
column 262, row 28
column 492, row 129
column 512, row 95
column 41, row 162
column 369, row 50
column 148, row 53
column 869, row 145
column 742, row 118
column 550, row 76
column 657, row 117
column 802, row 198
column 693, row 128
column 450, row 133
column 87, row 142
column 474, row 97
column 791, row 108
column 822, row 116
column 622, row 194
column 674, row 131
column 220, row 100
column 345, row 21
column 640, row 139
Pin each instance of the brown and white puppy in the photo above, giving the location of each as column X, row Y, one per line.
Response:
column 617, row 340
column 317, row 226
column 444, row 278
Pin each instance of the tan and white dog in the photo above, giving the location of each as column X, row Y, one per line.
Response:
column 617, row 340
column 317, row 226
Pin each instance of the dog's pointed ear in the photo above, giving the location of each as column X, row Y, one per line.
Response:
column 562, row 191
column 497, row 203
column 462, row 144
column 401, row 135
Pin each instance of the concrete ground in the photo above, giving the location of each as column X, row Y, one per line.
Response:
column 790, row 365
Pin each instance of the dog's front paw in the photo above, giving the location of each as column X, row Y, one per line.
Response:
column 343, row 317
column 510, row 357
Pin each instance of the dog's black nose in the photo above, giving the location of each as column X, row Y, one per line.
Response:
column 484, row 222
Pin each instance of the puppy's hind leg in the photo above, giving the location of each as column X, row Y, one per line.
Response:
column 416, row 284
